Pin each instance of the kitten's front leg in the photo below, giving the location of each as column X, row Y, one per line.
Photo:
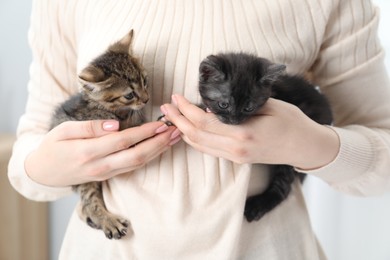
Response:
column 94, row 212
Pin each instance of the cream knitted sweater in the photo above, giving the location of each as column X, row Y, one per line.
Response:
column 189, row 205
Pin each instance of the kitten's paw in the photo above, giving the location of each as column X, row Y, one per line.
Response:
column 254, row 209
column 163, row 119
column 115, row 227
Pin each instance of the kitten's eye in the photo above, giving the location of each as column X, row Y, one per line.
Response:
column 223, row 105
column 145, row 82
column 129, row 96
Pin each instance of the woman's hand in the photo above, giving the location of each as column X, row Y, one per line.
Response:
column 78, row 152
column 279, row 134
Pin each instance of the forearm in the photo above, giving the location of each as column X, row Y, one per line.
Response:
column 362, row 123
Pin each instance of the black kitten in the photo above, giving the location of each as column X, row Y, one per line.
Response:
column 234, row 86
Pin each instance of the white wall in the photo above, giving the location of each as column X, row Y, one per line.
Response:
column 348, row 227
column 14, row 61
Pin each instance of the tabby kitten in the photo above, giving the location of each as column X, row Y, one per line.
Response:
column 113, row 87
column 234, row 86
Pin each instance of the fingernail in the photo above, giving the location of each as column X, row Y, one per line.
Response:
column 175, row 140
column 161, row 129
column 175, row 134
column 163, row 110
column 111, row 125
column 174, row 100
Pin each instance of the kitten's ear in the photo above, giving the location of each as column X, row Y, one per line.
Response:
column 210, row 70
column 273, row 72
column 93, row 79
column 124, row 45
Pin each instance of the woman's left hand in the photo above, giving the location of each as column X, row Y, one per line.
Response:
column 279, row 133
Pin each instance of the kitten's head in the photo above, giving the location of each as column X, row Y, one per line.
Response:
column 235, row 85
column 116, row 79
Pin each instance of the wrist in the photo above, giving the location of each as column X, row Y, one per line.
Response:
column 317, row 148
column 30, row 168
column 36, row 172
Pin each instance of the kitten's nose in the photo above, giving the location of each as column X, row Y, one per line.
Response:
column 144, row 98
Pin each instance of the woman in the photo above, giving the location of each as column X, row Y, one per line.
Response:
column 185, row 200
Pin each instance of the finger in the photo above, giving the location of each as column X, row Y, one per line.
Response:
column 201, row 127
column 108, row 144
column 84, row 129
column 211, row 138
column 222, row 148
column 189, row 113
column 137, row 156
column 207, row 134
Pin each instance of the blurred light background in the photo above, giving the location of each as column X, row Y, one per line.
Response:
column 349, row 228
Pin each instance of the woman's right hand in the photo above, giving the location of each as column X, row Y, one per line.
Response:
column 78, row 152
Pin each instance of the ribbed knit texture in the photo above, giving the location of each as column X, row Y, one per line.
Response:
column 189, row 205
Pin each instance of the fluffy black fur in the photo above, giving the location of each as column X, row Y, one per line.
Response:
column 234, row 86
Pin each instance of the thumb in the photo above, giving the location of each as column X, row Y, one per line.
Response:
column 84, row 129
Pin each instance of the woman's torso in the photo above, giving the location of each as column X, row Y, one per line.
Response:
column 185, row 204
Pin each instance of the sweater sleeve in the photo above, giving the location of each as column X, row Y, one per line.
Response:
column 52, row 79
column 351, row 72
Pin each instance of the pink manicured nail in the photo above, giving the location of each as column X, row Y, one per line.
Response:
column 174, row 100
column 175, row 134
column 111, row 125
column 175, row 140
column 161, row 129
column 163, row 110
